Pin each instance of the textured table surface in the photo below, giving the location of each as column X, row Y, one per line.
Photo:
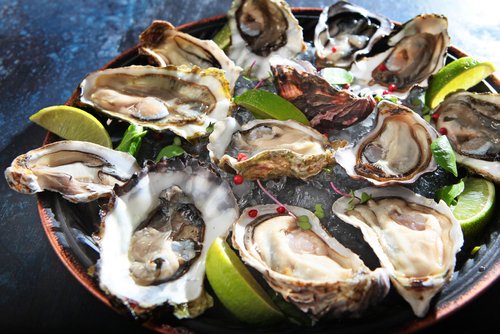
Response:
column 47, row 47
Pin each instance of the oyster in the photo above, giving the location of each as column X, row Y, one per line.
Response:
column 271, row 148
column 325, row 106
column 472, row 123
column 415, row 239
column 79, row 171
column 412, row 55
column 168, row 46
column 345, row 31
column 182, row 99
column 309, row 268
column 156, row 232
column 260, row 29
column 397, row 150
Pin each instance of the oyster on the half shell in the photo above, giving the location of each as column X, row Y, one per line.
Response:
column 309, row 268
column 415, row 239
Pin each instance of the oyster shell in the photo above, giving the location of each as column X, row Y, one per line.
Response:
column 260, row 29
column 325, row 106
column 397, row 150
column 412, row 55
column 309, row 268
column 79, row 171
column 272, row 148
column 351, row 30
column 415, row 239
column 168, row 46
column 182, row 99
column 472, row 123
column 156, row 232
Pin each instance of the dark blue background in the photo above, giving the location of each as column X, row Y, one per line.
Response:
column 46, row 48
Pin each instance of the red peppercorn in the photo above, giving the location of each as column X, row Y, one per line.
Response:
column 382, row 67
column 280, row 209
column 385, row 92
column 253, row 213
column 443, row 131
column 347, row 86
column 392, row 87
column 238, row 179
column 242, row 157
column 334, row 49
column 435, row 117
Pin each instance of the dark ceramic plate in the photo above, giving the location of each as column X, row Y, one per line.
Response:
column 69, row 228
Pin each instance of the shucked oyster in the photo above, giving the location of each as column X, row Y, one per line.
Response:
column 309, row 268
column 345, row 31
column 260, row 29
column 271, row 148
column 397, row 150
column 168, row 46
column 156, row 232
column 411, row 56
column 472, row 123
column 415, row 239
column 182, row 99
column 79, row 171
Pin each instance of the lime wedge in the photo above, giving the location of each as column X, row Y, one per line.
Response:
column 264, row 104
column 73, row 124
column 475, row 205
column 462, row 73
column 236, row 288
column 223, row 37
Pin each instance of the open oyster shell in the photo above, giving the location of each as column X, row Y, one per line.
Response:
column 168, row 46
column 156, row 232
column 260, row 29
column 182, row 99
column 415, row 239
column 272, row 149
column 345, row 31
column 397, row 150
column 309, row 268
column 79, row 171
column 472, row 123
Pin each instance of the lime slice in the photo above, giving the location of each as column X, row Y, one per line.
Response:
column 264, row 104
column 236, row 288
column 223, row 37
column 73, row 124
column 462, row 73
column 475, row 205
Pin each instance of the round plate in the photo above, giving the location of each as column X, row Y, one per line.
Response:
column 69, row 228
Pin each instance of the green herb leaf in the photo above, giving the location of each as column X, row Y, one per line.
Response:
column 170, row 151
column 223, row 37
column 337, row 76
column 304, row 223
column 427, row 118
column 444, row 155
column 177, row 141
column 132, row 138
column 318, row 211
column 475, row 250
column 449, row 193
column 364, row 198
column 328, row 170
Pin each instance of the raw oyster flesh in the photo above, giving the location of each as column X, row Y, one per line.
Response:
column 272, row 149
column 472, row 123
column 182, row 99
column 397, row 150
column 415, row 239
column 79, row 171
column 168, row 46
column 156, row 232
column 309, row 268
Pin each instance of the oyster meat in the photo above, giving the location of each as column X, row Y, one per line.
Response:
column 345, row 31
column 415, row 239
column 472, row 123
column 271, row 149
column 79, row 171
column 397, row 150
column 309, row 268
column 168, row 46
column 260, row 29
column 182, row 99
column 412, row 55
column 156, row 232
